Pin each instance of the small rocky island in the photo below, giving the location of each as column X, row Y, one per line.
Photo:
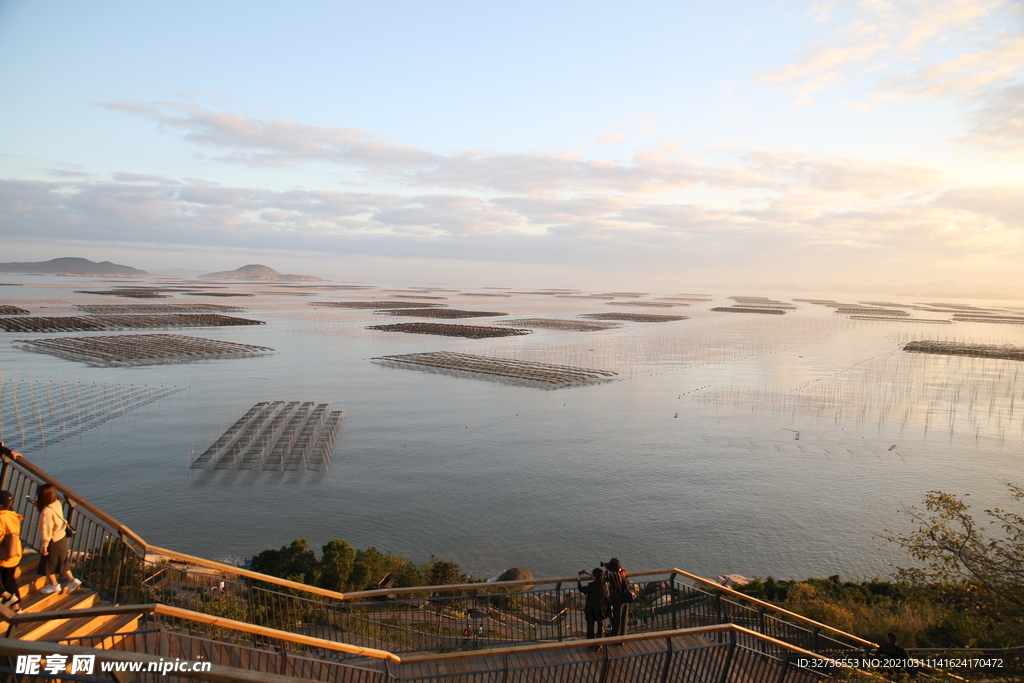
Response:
column 255, row 271
column 72, row 266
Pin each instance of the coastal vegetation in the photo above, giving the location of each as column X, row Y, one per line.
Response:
column 966, row 588
column 343, row 568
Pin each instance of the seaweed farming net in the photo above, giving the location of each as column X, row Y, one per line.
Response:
column 107, row 323
column 547, row 375
column 140, row 349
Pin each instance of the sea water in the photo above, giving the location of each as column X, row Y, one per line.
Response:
column 728, row 443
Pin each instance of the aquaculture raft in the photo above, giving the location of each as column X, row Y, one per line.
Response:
column 374, row 304
column 648, row 304
column 546, row 374
column 634, row 317
column 748, row 309
column 277, row 437
column 445, row 330
column 105, row 323
column 12, row 310
column 140, row 349
column 441, row 313
column 555, row 324
column 128, row 309
column 948, row 348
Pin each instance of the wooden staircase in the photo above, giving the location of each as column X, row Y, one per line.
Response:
column 61, row 626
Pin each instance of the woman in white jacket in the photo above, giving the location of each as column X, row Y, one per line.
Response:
column 53, row 541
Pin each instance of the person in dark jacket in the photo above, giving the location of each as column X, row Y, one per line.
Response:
column 618, row 595
column 596, row 608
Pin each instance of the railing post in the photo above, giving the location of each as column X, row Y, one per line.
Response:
column 718, row 606
column 3, row 471
column 604, row 664
column 785, row 667
column 558, row 602
column 672, row 601
column 668, row 660
column 120, row 565
column 728, row 658
column 817, row 642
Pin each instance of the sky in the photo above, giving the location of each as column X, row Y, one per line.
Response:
column 666, row 143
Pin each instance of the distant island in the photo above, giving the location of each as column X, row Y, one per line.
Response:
column 255, row 271
column 72, row 266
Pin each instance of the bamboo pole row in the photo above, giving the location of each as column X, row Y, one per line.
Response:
column 35, row 415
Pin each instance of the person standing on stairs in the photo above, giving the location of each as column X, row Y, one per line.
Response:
column 10, row 550
column 53, row 541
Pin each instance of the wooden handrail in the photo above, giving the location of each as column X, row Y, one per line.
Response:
column 180, row 613
column 77, row 499
column 221, row 622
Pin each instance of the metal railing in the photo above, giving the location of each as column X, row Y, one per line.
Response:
column 715, row 653
column 124, row 568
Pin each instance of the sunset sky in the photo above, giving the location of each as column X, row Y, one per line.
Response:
column 663, row 142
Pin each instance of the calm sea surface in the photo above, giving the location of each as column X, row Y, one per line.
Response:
column 689, row 458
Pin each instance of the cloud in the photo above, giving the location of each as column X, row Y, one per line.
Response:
column 256, row 142
column 998, row 122
column 839, row 174
column 969, row 72
column 882, row 38
column 823, row 66
column 829, row 213
column 612, row 138
column 276, row 143
column 144, row 178
column 1005, row 204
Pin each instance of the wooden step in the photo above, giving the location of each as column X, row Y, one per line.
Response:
column 37, row 601
column 98, row 625
column 27, row 576
column 121, row 623
column 38, row 630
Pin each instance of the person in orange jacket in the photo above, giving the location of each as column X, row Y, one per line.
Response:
column 10, row 550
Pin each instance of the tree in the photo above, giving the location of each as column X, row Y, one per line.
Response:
column 295, row 562
column 985, row 558
column 336, row 565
